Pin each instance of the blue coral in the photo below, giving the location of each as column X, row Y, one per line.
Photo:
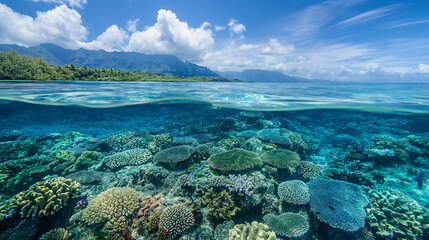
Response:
column 337, row 203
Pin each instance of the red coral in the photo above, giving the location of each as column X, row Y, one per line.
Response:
column 150, row 205
column 126, row 233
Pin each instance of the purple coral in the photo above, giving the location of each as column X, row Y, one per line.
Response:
column 241, row 183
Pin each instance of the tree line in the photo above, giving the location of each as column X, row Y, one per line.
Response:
column 14, row 66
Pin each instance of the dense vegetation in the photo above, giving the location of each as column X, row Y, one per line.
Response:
column 125, row 61
column 14, row 66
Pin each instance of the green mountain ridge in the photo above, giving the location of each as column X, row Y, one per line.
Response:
column 124, row 61
column 257, row 75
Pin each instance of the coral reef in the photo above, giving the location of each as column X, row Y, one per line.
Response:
column 297, row 141
column 84, row 161
column 253, row 231
column 46, row 198
column 111, row 204
column 114, row 228
column 175, row 220
column 241, row 184
column 174, row 155
column 150, row 205
column 274, row 136
column 86, row 176
column 220, row 205
column 127, row 158
column 308, row 170
column 17, row 150
column 234, row 160
column 288, row 224
column 337, row 203
column 7, row 209
column 393, row 215
column 294, row 191
column 56, row 234
column 281, row 158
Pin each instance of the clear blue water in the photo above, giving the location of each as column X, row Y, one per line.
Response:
column 369, row 140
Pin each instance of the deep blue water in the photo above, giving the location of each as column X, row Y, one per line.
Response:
column 370, row 140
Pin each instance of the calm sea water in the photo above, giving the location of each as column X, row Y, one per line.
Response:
column 369, row 141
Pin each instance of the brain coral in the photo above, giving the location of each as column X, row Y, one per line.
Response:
column 128, row 158
column 56, row 234
column 174, row 155
column 337, row 203
column 254, row 231
column 176, row 219
column 281, row 158
column 46, row 198
column 236, row 159
column 288, row 224
column 294, row 191
column 112, row 203
column 393, row 215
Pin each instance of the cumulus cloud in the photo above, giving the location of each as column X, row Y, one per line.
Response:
column 61, row 25
column 132, row 25
column 423, row 68
column 113, row 39
column 169, row 35
column 71, row 3
column 236, row 28
column 219, row 28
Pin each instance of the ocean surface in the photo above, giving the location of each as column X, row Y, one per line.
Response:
column 160, row 160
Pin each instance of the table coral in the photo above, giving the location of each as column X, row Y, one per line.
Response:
column 281, row 158
column 236, row 159
column 294, row 191
column 288, row 224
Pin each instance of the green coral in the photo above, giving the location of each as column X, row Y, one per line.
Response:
column 60, row 160
column 308, row 170
column 13, row 150
column 174, row 155
column 236, row 159
column 281, row 158
column 56, row 234
column 392, row 214
column 26, row 177
column 110, row 204
column 220, row 205
column 176, row 219
column 7, row 208
column 46, row 198
column 254, row 231
column 288, row 224
column 84, row 161
column 114, row 228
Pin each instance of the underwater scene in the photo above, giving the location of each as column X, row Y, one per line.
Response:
column 221, row 161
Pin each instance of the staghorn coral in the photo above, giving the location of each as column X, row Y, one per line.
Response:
column 393, row 215
column 288, row 224
column 46, row 198
column 254, row 231
column 337, row 203
column 127, row 158
column 110, row 204
column 294, row 191
column 56, row 234
column 308, row 170
column 220, row 205
column 174, row 155
column 175, row 220
column 234, row 160
column 241, row 184
column 281, row 158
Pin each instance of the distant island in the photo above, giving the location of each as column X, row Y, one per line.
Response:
column 14, row 66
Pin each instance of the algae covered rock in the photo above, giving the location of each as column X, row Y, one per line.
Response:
column 46, row 198
column 288, row 224
column 254, row 231
column 281, row 158
column 235, row 160
column 174, row 155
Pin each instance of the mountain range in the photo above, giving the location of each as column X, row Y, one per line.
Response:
column 139, row 62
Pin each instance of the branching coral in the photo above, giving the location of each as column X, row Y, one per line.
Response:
column 128, row 158
column 46, row 198
column 56, row 234
column 220, row 205
column 176, row 219
column 308, row 170
column 241, row 183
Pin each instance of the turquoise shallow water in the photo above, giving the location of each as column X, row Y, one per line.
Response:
column 104, row 160
column 386, row 98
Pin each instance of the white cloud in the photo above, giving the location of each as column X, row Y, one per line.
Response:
column 71, row 3
column 219, row 28
column 132, row 25
column 61, row 25
column 423, row 68
column 236, row 28
column 275, row 47
column 403, row 24
column 369, row 15
column 169, row 35
column 113, row 39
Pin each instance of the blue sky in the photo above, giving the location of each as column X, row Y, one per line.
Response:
column 344, row 40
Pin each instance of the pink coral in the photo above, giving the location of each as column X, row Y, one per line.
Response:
column 149, row 205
